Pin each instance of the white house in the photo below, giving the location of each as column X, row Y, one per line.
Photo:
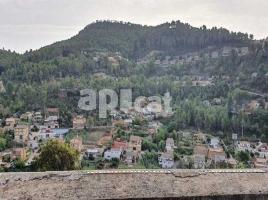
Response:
column 199, row 161
column 244, row 146
column 47, row 133
column 170, row 144
column 262, row 149
column 33, row 140
column 214, row 142
column 51, row 122
column 166, row 160
column 112, row 153
column 93, row 152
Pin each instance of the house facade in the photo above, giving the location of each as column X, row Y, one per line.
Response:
column 19, row 153
column 112, row 153
column 135, row 143
column 52, row 122
column 79, row 122
column 10, row 123
column 166, row 160
column 21, row 133
column 217, row 155
column 170, row 145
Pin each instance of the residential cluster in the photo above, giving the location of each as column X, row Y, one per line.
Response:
column 129, row 139
column 166, row 61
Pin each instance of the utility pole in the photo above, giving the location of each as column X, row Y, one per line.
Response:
column 242, row 125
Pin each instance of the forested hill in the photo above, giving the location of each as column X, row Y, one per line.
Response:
column 133, row 56
column 134, row 41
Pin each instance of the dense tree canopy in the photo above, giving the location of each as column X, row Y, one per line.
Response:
column 57, row 156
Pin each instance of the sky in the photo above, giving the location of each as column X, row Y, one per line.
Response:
column 31, row 24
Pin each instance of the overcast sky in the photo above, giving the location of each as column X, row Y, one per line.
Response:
column 31, row 24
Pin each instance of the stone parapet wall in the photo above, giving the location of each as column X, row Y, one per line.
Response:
column 136, row 184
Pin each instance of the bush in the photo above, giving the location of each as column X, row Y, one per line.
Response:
column 57, row 156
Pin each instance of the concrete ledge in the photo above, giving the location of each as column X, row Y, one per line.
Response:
column 137, row 184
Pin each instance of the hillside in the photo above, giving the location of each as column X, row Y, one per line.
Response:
column 134, row 41
column 195, row 64
column 218, row 82
column 115, row 47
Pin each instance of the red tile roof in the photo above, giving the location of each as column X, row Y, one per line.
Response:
column 119, row 145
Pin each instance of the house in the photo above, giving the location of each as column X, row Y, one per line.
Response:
column 112, row 153
column 93, row 153
column 33, row 142
column 260, row 163
column 217, row 155
column 199, row 138
column 37, row 117
column 234, row 137
column 26, row 116
column 206, row 103
column 215, row 54
column 121, row 145
column 10, row 123
column 45, row 134
column 5, row 157
column 154, row 107
column 113, row 61
column 21, row 133
column 19, row 153
column 134, row 149
column 166, row 160
column 170, row 145
column 217, row 101
column 262, row 149
column 52, row 112
column 199, row 157
column 214, row 142
column 200, row 150
column 243, row 51
column 135, row 143
column 226, row 51
column 130, row 157
column 185, row 134
column 48, row 133
column 199, row 161
column 254, row 75
column 123, row 123
column 251, row 106
column 77, row 143
column 79, row 122
column 60, row 132
column 52, row 122
column 244, row 146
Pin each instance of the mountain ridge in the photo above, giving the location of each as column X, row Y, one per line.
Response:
column 135, row 41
